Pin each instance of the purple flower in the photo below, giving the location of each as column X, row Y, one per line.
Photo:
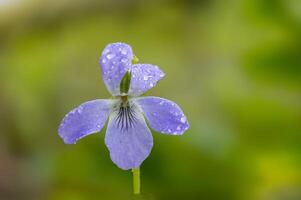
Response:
column 128, row 137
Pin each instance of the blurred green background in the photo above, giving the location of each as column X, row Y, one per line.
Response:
column 233, row 66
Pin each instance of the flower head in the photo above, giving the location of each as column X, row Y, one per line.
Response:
column 128, row 137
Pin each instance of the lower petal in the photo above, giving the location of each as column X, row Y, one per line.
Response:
column 84, row 120
column 129, row 145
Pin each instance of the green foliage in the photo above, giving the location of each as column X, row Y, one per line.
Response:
column 233, row 67
column 125, row 83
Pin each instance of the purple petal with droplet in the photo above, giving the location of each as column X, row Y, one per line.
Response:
column 163, row 115
column 84, row 120
column 115, row 60
column 144, row 77
column 128, row 147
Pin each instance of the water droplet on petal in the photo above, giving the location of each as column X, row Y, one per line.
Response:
column 151, row 84
column 104, row 60
column 183, row 119
column 179, row 127
column 110, row 56
column 123, row 52
column 145, row 78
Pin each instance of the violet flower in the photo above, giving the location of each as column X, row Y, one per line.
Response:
column 128, row 137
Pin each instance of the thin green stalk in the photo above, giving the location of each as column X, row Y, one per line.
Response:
column 136, row 180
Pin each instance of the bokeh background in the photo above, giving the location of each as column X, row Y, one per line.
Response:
column 234, row 67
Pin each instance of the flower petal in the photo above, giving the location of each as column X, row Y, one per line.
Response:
column 115, row 60
column 130, row 146
column 144, row 77
column 163, row 115
column 84, row 120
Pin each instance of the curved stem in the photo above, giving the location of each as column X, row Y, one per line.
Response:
column 136, row 180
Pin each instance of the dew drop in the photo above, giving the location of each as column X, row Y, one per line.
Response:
column 124, row 60
column 179, row 127
column 151, row 84
column 183, row 119
column 145, row 78
column 123, row 52
column 104, row 60
column 110, row 56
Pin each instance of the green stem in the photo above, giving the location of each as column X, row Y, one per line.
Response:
column 136, row 180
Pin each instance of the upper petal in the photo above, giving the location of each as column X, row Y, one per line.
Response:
column 163, row 115
column 129, row 145
column 115, row 60
column 144, row 77
column 86, row 119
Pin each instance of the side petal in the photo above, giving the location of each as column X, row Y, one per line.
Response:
column 163, row 115
column 84, row 120
column 144, row 77
column 130, row 146
column 115, row 60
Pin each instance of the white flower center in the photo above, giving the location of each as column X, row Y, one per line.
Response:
column 125, row 113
